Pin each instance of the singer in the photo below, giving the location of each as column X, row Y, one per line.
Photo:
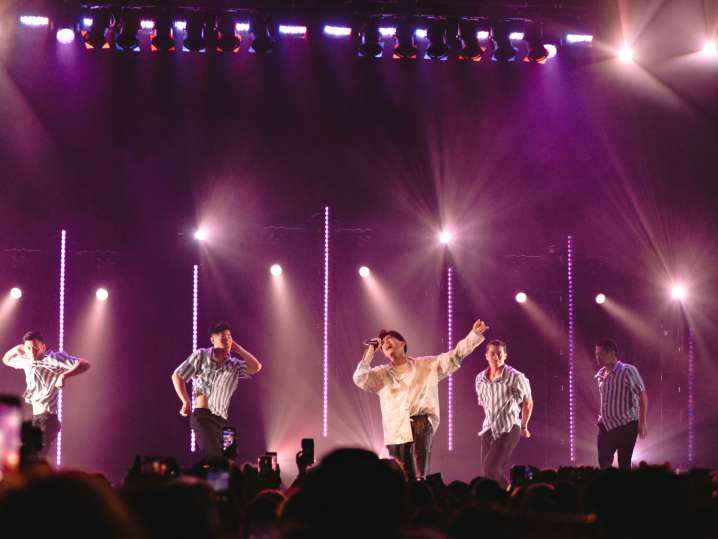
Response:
column 408, row 390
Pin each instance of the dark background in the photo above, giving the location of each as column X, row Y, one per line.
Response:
column 130, row 152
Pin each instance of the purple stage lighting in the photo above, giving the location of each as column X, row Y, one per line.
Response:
column 445, row 237
column 421, row 33
column 450, row 346
column 276, row 270
column 242, row 27
column 521, row 297
column 87, row 22
column 482, row 35
column 364, row 272
column 710, row 47
column 34, row 20
column 65, row 36
column 325, row 344
column 552, row 50
column 61, row 338
column 626, row 54
column 572, row 39
column 180, row 26
column 15, row 293
column 292, row 30
column 571, row 354
column 516, row 36
column 337, row 31
column 600, row 298
column 691, row 409
column 147, row 24
column 387, row 31
column 102, row 294
column 201, row 234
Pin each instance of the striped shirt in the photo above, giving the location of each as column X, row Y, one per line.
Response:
column 41, row 375
column 411, row 388
column 620, row 390
column 214, row 380
column 501, row 399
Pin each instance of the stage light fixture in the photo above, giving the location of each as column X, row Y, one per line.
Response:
column 242, row 27
column 95, row 36
column 65, row 35
column 370, row 44
column 537, row 52
column 129, row 27
column 201, row 234
column 337, row 31
column 16, row 293
column 436, row 33
column 626, row 54
column 504, row 50
column 196, row 38
column 263, row 42
column 227, row 38
column 387, row 31
column 162, row 35
column 600, row 299
column 276, row 270
column 445, row 237
column 521, row 297
column 34, row 20
column 574, row 39
column 469, row 39
column 364, row 272
column 405, row 45
column 710, row 47
column 678, row 292
column 102, row 294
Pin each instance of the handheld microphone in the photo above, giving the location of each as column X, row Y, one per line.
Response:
column 372, row 342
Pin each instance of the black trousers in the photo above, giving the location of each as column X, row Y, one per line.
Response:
column 495, row 454
column 415, row 455
column 621, row 439
column 207, row 429
column 49, row 424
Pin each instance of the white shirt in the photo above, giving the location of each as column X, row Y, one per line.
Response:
column 41, row 375
column 411, row 388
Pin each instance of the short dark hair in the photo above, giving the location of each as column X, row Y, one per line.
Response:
column 218, row 328
column 393, row 333
column 33, row 336
column 499, row 343
column 609, row 345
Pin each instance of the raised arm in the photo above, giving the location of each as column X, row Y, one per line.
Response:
column 449, row 362
column 253, row 364
column 13, row 357
column 365, row 377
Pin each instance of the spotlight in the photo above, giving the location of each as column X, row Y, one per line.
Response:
column 129, row 26
column 445, row 237
column 34, row 20
column 469, row 38
column 710, row 47
column 180, row 26
column 537, row 52
column 573, row 39
column 275, row 270
column 600, row 299
column 263, row 41
column 504, row 51
column 293, row 30
column 196, row 40
column 87, row 22
column 227, row 38
column 102, row 294
column 147, row 24
column 483, row 35
column 364, row 272
column 387, row 31
column 421, row 33
column 370, row 45
column 625, row 54
column 521, row 297
column 437, row 49
column 95, row 36
column 15, row 293
column 162, row 35
column 405, row 46
column 242, row 27
column 201, row 234
column 678, row 292
column 65, row 35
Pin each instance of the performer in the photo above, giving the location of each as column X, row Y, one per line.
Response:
column 45, row 374
column 505, row 395
column 215, row 374
column 624, row 406
column 409, row 393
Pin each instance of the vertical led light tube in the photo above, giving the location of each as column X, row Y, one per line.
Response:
column 571, row 354
column 450, row 346
column 61, row 337
column 195, row 311
column 691, row 409
column 325, row 388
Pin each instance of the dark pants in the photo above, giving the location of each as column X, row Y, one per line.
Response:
column 207, row 429
column 621, row 439
column 496, row 452
column 49, row 424
column 415, row 455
